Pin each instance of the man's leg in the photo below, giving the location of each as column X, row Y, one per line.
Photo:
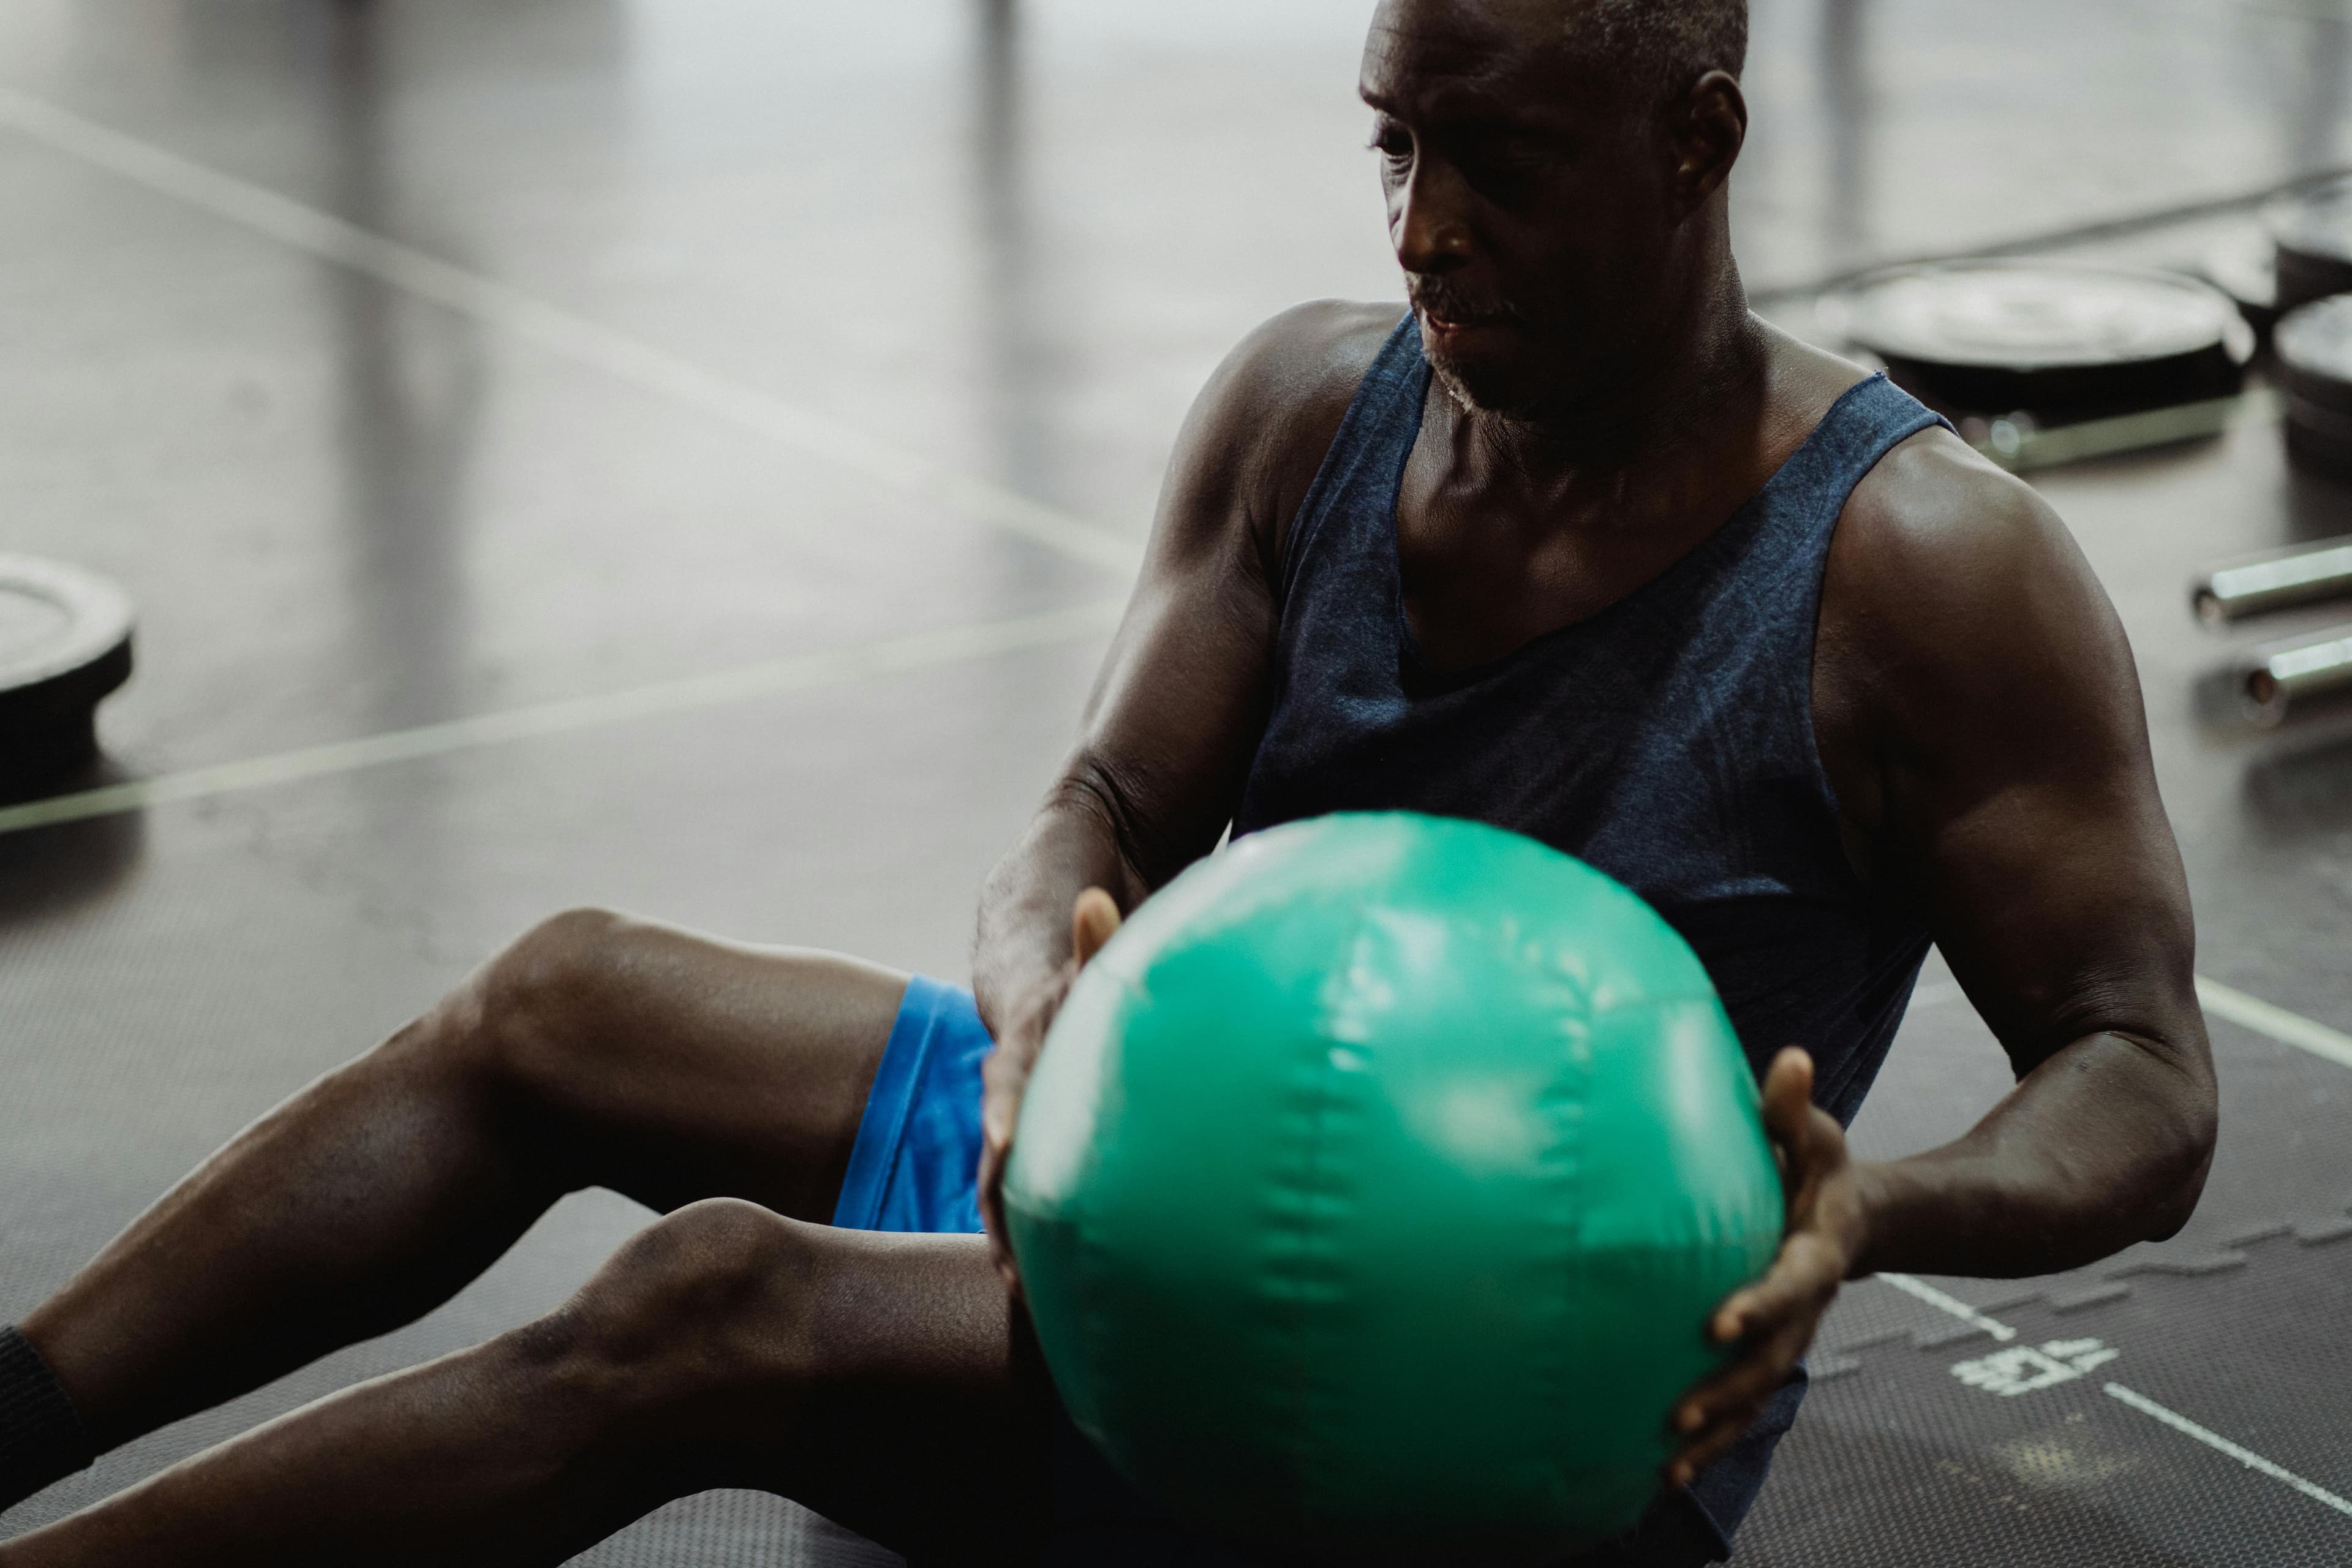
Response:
column 869, row 1376
column 595, row 1051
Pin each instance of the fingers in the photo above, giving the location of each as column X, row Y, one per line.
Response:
column 1003, row 1074
column 1734, row 1407
column 1774, row 1319
column 991, row 1216
column 1789, row 1096
column 1711, row 1417
column 1094, row 920
column 1002, row 1079
column 1808, row 1141
column 1803, row 1279
column 1761, row 1366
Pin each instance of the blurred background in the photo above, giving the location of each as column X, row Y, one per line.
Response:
column 683, row 455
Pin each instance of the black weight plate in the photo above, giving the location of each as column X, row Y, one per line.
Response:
column 2313, row 231
column 2313, row 350
column 64, row 643
column 2319, row 445
column 2313, row 345
column 2059, row 342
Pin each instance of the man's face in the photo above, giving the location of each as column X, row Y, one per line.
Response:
column 1529, row 199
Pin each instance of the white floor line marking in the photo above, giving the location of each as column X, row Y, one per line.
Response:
column 2264, row 1018
column 559, row 330
column 2215, row 1441
column 922, row 650
column 1952, row 1304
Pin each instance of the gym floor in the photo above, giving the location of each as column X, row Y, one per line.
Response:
column 682, row 454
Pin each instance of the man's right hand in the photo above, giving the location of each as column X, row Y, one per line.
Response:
column 1093, row 920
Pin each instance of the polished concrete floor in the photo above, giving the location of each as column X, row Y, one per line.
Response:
column 677, row 454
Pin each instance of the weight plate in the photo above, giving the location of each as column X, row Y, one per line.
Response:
column 2060, row 341
column 2314, row 347
column 2312, row 232
column 64, row 643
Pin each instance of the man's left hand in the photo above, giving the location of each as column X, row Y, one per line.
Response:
column 1773, row 1320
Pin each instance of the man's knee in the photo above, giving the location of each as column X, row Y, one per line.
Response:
column 524, row 1015
column 713, row 1303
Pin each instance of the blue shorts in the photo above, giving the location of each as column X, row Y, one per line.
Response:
column 916, row 1163
column 916, row 1167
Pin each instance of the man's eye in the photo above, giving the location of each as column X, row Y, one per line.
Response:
column 1507, row 154
column 1508, row 172
column 1392, row 144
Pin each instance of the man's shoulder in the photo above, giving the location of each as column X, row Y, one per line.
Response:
column 1272, row 410
column 1959, row 608
column 1317, row 349
column 1937, row 521
column 1297, row 373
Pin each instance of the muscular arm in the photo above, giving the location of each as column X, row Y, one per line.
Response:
column 2000, row 770
column 1981, row 719
column 1176, row 713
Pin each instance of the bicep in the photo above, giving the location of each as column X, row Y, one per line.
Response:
column 2023, row 803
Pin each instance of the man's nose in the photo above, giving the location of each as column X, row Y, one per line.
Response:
column 1426, row 220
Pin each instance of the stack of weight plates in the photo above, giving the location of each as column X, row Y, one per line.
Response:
column 64, row 643
column 2313, row 350
column 2313, row 340
column 2313, row 233
column 2003, row 346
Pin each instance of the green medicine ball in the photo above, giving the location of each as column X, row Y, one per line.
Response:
column 1374, row 1189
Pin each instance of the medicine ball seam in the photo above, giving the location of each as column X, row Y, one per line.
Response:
column 1308, row 1224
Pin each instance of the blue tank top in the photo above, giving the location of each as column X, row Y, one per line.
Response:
column 1667, row 740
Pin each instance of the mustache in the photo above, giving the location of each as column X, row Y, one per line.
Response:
column 1449, row 302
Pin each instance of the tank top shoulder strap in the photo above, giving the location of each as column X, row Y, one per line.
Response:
column 1870, row 419
column 1367, row 457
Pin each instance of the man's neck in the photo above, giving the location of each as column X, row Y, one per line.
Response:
column 1696, row 385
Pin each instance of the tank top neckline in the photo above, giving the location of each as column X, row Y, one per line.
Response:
column 1428, row 678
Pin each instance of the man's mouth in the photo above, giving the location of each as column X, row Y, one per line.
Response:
column 1453, row 322
column 1452, row 318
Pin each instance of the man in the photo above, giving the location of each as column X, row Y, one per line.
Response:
column 1582, row 548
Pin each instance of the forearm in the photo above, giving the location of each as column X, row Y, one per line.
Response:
column 1024, row 937
column 2104, row 1144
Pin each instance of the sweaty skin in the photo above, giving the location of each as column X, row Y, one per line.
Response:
column 1603, row 400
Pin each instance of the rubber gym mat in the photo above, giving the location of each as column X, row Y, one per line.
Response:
column 1929, row 1440
column 736, row 1529
column 1970, row 1450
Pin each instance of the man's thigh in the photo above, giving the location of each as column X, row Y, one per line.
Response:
column 674, row 1067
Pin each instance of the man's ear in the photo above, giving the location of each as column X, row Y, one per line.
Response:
column 1706, row 131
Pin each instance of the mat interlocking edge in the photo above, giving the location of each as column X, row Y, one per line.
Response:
column 1909, row 1452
